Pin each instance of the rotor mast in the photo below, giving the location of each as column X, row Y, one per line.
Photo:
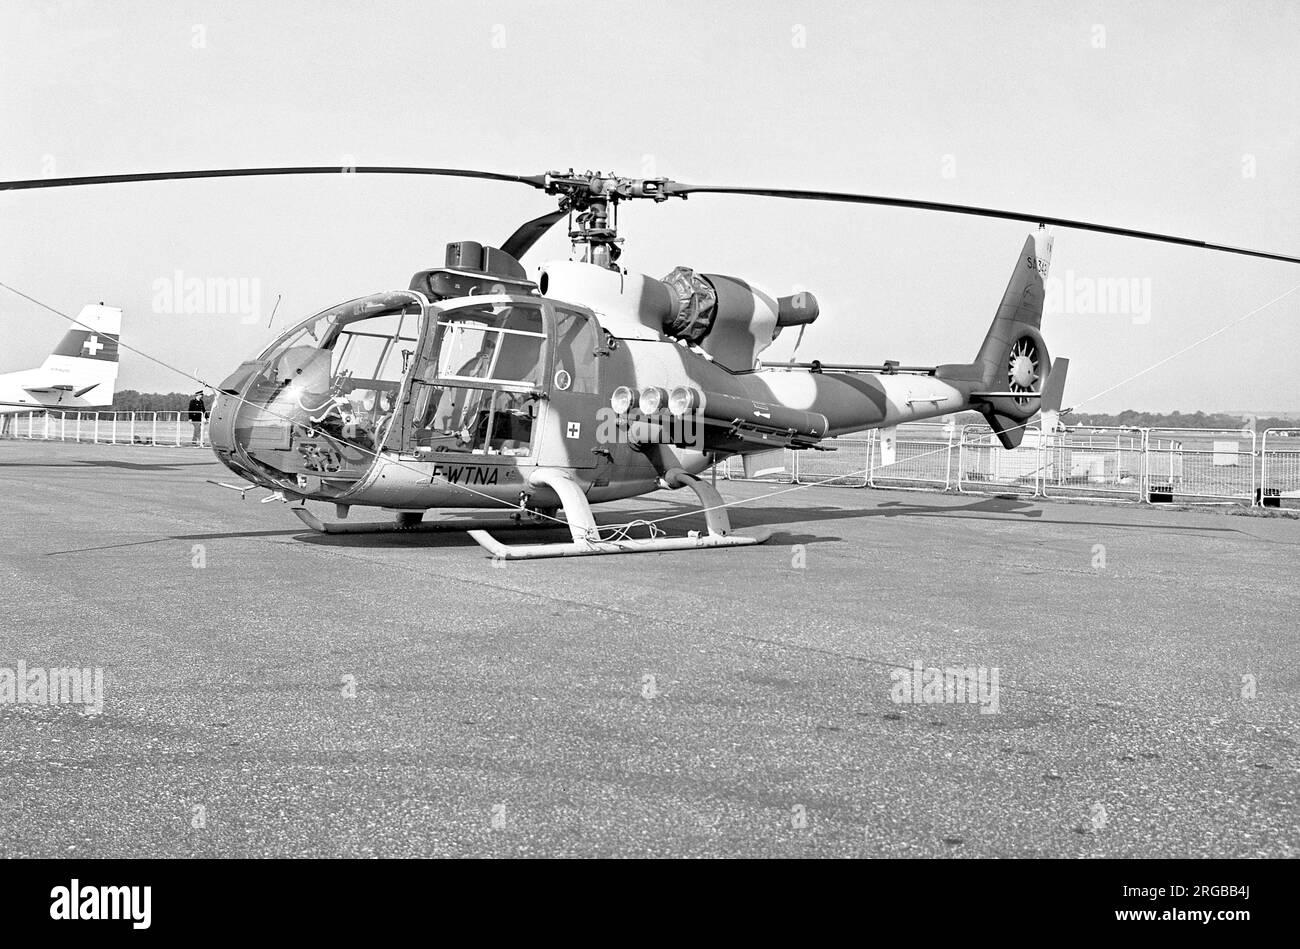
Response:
column 592, row 199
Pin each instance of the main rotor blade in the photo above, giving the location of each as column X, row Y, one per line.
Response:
column 676, row 188
column 529, row 233
column 535, row 181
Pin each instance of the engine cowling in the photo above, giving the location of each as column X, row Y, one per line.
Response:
column 730, row 319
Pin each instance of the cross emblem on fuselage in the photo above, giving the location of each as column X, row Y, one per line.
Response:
column 92, row 345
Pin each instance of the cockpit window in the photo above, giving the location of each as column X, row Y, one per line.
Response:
column 376, row 349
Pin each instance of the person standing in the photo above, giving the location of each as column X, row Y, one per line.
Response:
column 197, row 410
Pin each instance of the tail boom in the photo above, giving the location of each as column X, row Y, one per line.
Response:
column 1004, row 383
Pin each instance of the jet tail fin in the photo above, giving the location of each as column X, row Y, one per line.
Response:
column 94, row 336
column 85, row 361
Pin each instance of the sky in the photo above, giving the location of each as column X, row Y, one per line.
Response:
column 1178, row 117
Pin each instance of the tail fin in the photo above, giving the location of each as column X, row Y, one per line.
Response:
column 1013, row 359
column 85, row 361
column 1021, row 307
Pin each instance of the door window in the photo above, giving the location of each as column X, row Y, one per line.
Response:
column 476, row 390
column 577, row 339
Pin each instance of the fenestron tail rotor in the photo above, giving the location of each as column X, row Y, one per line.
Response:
column 1024, row 369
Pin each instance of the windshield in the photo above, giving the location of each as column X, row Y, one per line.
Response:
column 324, row 400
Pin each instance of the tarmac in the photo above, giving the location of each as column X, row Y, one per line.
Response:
column 272, row 692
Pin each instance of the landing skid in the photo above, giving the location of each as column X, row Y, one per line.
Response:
column 587, row 540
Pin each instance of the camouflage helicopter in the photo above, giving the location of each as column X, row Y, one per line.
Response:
column 479, row 387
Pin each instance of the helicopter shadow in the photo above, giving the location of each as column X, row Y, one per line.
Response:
column 996, row 508
column 170, row 538
column 125, row 465
column 434, row 540
column 686, row 517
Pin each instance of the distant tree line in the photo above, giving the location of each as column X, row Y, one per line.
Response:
column 1131, row 418
column 129, row 400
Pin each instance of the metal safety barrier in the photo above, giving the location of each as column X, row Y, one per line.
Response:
column 1095, row 463
column 1279, row 468
column 1196, row 465
column 922, row 457
column 108, row 428
column 847, row 464
column 1184, row 466
column 985, row 467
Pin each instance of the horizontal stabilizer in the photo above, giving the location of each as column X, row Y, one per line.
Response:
column 47, row 387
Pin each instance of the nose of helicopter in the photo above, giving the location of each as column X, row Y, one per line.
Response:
column 231, row 431
column 221, row 425
column 224, row 438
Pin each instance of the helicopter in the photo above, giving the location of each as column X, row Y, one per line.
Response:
column 477, row 387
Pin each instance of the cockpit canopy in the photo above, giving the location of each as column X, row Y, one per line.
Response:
column 393, row 372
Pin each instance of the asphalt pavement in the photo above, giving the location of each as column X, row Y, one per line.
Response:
column 269, row 691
